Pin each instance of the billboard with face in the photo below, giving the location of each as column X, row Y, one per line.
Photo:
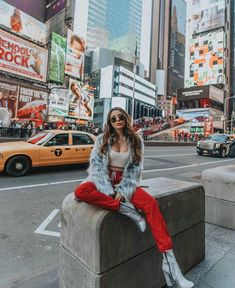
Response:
column 53, row 7
column 81, row 100
column 8, row 98
column 58, row 102
column 205, row 59
column 74, row 63
column 21, row 57
column 32, row 104
column 57, row 59
column 21, row 23
column 206, row 15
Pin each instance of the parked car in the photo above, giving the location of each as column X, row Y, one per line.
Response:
column 216, row 144
column 46, row 148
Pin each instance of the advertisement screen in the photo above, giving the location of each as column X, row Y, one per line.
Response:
column 57, row 59
column 21, row 57
column 8, row 102
column 205, row 60
column 53, row 7
column 207, row 15
column 76, row 46
column 32, row 104
column 33, row 8
column 81, row 100
column 58, row 102
column 21, row 23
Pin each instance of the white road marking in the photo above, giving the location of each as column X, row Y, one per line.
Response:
column 185, row 166
column 42, row 227
column 169, row 155
column 145, row 171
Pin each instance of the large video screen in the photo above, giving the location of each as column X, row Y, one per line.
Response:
column 21, row 23
column 76, row 47
column 205, row 59
column 81, row 100
column 57, row 58
column 53, row 7
column 206, row 15
column 21, row 57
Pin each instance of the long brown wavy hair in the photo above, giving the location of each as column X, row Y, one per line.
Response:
column 110, row 135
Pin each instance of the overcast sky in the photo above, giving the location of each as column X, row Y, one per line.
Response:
column 145, row 33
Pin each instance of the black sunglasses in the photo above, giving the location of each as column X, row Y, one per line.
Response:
column 119, row 117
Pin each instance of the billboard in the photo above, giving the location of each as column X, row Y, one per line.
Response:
column 53, row 7
column 81, row 100
column 21, row 57
column 8, row 99
column 21, row 23
column 58, row 102
column 57, row 59
column 205, row 59
column 32, row 104
column 33, row 8
column 206, row 15
column 76, row 47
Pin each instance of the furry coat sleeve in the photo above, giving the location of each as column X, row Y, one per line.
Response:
column 98, row 169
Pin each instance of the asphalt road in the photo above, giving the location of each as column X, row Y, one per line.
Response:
column 30, row 211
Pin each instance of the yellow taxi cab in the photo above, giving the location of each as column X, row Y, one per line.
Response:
column 46, row 148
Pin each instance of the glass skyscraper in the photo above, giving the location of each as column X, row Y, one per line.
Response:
column 111, row 24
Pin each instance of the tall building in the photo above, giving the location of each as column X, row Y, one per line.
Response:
column 167, row 46
column 109, row 24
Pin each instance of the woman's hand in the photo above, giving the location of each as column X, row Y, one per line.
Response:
column 119, row 197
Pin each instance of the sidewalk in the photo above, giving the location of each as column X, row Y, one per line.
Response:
column 217, row 270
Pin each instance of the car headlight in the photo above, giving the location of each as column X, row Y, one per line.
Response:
column 217, row 145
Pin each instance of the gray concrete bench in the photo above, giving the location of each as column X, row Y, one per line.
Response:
column 219, row 185
column 103, row 249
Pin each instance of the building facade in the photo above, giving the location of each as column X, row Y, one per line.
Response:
column 167, row 46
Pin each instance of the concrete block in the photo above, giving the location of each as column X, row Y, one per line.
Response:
column 219, row 185
column 105, row 249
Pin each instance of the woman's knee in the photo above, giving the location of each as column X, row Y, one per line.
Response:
column 83, row 189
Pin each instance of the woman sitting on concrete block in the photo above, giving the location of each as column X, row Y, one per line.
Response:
column 116, row 164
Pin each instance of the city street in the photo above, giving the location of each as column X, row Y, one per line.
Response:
column 30, row 211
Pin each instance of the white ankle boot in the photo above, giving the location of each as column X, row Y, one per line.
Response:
column 129, row 210
column 172, row 272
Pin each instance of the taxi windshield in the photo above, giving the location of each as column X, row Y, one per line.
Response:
column 39, row 138
column 217, row 137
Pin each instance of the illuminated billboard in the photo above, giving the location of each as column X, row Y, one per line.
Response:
column 53, row 7
column 206, row 15
column 21, row 57
column 58, row 102
column 8, row 99
column 81, row 100
column 76, row 47
column 32, row 104
column 21, row 23
column 205, row 59
column 57, row 58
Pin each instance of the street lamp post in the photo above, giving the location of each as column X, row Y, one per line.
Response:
column 133, row 95
column 225, row 111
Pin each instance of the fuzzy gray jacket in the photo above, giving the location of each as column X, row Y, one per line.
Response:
column 98, row 172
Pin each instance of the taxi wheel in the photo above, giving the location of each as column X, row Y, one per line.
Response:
column 223, row 153
column 18, row 166
column 232, row 151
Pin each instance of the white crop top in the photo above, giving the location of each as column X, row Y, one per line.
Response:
column 118, row 159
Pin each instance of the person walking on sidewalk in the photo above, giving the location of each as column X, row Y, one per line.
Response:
column 116, row 164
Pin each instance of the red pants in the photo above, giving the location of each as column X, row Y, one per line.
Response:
column 143, row 201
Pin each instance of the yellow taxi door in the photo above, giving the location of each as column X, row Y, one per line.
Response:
column 82, row 145
column 56, row 151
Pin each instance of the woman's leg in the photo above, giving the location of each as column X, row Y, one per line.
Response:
column 88, row 193
column 150, row 207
